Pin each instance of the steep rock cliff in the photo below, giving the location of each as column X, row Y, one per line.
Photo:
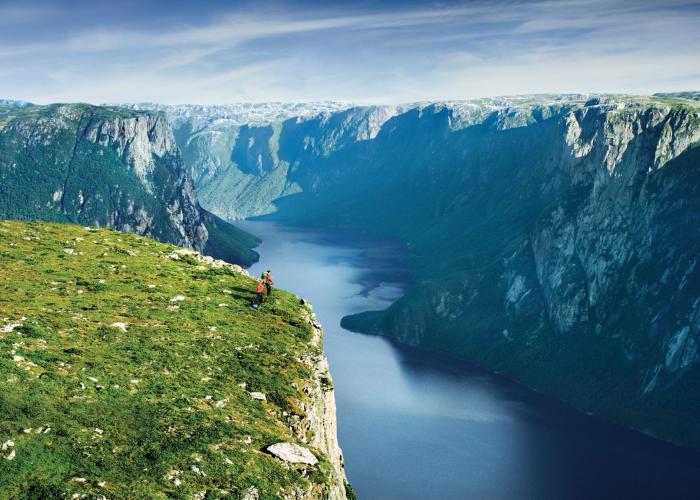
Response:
column 573, row 266
column 106, row 167
column 552, row 238
column 319, row 426
column 242, row 161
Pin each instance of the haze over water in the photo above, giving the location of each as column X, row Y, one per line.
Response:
column 418, row 425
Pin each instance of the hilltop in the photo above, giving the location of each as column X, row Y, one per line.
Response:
column 138, row 369
column 241, row 113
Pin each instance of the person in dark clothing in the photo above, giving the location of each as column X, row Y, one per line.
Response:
column 263, row 278
column 268, row 282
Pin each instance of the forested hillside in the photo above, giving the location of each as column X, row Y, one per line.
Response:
column 107, row 167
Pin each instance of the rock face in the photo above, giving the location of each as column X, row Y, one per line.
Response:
column 238, row 155
column 106, row 167
column 319, row 427
column 553, row 238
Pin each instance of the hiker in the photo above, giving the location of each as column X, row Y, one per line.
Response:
column 260, row 291
column 268, row 282
column 263, row 278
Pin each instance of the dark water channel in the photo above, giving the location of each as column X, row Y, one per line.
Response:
column 417, row 425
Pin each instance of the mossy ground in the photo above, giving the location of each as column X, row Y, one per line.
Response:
column 127, row 410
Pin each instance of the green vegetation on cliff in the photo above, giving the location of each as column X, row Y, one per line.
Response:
column 107, row 167
column 127, row 368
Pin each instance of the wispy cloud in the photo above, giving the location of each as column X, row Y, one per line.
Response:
column 247, row 26
column 360, row 52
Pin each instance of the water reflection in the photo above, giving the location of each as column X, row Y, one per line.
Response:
column 418, row 425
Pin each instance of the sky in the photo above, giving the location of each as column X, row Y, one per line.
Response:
column 362, row 51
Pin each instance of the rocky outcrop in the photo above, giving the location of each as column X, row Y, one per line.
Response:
column 207, row 260
column 107, row 167
column 318, row 427
column 146, row 142
column 292, row 453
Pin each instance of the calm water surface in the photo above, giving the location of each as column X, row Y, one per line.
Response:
column 416, row 425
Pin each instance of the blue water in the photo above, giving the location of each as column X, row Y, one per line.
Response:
column 418, row 425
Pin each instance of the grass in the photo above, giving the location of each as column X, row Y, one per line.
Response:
column 93, row 409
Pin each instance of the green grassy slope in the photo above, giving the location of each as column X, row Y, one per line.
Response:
column 94, row 408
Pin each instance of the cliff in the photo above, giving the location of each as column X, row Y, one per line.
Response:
column 319, row 427
column 107, row 167
column 551, row 238
column 136, row 369
column 237, row 155
column 572, row 268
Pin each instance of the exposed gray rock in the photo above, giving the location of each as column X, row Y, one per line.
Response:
column 50, row 155
column 292, row 453
column 10, row 327
column 143, row 141
column 251, row 494
column 319, row 427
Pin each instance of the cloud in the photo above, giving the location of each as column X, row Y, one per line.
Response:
column 248, row 26
column 378, row 54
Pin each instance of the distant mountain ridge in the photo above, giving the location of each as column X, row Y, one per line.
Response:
column 107, row 167
column 553, row 238
column 239, row 113
column 681, row 95
column 11, row 102
column 233, row 151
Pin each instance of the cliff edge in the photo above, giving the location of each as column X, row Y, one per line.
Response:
column 135, row 369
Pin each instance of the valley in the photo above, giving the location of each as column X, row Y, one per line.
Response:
column 519, row 254
column 546, row 234
column 415, row 424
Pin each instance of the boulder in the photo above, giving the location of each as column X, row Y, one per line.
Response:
column 292, row 453
column 251, row 494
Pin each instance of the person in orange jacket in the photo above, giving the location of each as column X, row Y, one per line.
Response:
column 260, row 291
